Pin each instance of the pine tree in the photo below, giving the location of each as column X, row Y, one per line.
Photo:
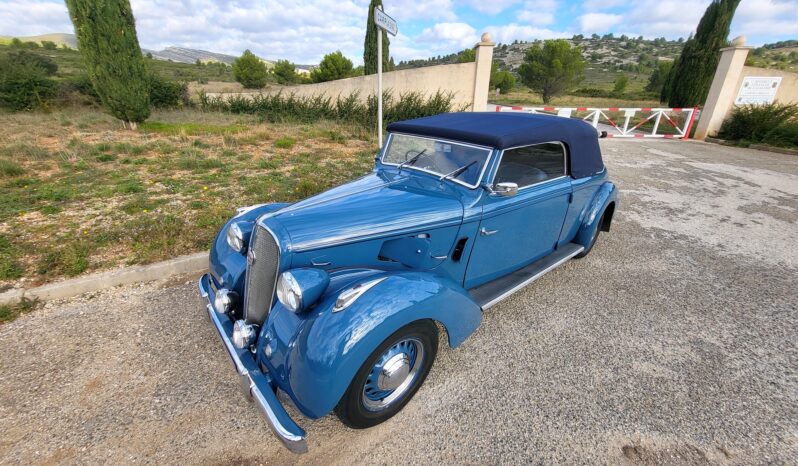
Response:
column 107, row 40
column 370, row 44
column 689, row 81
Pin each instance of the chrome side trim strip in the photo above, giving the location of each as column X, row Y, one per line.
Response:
column 531, row 279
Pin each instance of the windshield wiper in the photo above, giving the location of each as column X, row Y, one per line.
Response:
column 413, row 160
column 455, row 173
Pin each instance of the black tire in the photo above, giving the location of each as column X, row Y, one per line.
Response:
column 352, row 410
column 592, row 240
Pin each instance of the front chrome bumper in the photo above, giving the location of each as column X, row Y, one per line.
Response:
column 255, row 384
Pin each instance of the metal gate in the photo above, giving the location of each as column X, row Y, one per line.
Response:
column 642, row 122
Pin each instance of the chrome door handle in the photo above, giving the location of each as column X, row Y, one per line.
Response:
column 485, row 232
column 320, row 264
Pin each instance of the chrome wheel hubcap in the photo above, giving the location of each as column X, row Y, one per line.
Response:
column 393, row 374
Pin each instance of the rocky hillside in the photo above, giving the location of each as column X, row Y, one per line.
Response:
column 186, row 55
column 609, row 53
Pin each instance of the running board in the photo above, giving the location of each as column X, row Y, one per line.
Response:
column 492, row 293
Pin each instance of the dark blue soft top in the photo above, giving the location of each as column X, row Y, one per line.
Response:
column 506, row 130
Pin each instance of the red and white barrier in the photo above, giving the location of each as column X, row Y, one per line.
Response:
column 634, row 119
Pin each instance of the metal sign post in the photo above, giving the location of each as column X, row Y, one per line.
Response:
column 387, row 24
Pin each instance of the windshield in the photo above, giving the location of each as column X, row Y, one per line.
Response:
column 437, row 156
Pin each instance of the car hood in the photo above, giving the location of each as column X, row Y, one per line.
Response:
column 379, row 204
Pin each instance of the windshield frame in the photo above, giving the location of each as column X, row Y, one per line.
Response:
column 478, row 183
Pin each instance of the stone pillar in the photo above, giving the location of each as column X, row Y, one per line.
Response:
column 484, row 59
column 724, row 88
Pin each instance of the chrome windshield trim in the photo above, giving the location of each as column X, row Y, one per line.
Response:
column 436, row 174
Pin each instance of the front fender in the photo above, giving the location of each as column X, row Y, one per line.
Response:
column 605, row 195
column 329, row 347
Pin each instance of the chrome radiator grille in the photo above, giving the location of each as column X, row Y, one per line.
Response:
column 263, row 265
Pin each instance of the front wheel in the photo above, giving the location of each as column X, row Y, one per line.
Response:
column 390, row 376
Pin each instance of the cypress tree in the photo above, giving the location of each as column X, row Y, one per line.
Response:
column 107, row 40
column 370, row 44
column 689, row 81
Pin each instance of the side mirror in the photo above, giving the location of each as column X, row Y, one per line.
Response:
column 505, row 189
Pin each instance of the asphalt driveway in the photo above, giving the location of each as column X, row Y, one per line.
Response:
column 674, row 341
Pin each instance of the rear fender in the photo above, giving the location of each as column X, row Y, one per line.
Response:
column 607, row 194
column 330, row 347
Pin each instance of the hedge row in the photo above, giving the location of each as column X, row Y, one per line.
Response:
column 291, row 107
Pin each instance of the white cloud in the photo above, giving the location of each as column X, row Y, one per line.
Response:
column 539, row 12
column 594, row 5
column 510, row 32
column 405, row 10
column 25, row 18
column 766, row 17
column 598, row 22
column 447, row 35
column 491, row 7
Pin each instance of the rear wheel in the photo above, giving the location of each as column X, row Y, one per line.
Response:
column 390, row 377
column 593, row 239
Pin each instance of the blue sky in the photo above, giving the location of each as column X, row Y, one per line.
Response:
column 303, row 31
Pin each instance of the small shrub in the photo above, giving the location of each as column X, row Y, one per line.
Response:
column 24, row 85
column 753, row 123
column 167, row 94
column 284, row 142
column 785, row 135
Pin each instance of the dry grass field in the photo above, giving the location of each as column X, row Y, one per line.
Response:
column 79, row 193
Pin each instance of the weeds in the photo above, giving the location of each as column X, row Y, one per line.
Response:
column 284, row 143
column 9, row 312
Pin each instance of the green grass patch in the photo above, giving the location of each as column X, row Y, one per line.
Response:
column 9, row 169
column 70, row 258
column 189, row 129
column 10, row 267
column 284, row 142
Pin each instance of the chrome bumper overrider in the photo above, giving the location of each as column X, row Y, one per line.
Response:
column 255, row 384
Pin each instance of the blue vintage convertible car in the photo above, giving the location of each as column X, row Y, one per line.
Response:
column 337, row 300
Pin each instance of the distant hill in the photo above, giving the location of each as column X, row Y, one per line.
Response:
column 173, row 53
column 59, row 38
column 186, row 55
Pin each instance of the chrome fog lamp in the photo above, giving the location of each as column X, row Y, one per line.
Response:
column 298, row 289
column 235, row 237
column 225, row 300
column 243, row 334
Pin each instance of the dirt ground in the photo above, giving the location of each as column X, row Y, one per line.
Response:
column 673, row 342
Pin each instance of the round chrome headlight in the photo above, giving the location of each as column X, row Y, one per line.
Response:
column 235, row 237
column 243, row 334
column 288, row 292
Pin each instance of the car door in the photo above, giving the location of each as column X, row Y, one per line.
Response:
column 517, row 230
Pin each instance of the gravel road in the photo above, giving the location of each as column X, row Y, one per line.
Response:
column 674, row 341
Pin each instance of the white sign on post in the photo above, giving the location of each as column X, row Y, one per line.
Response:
column 757, row 90
column 387, row 24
